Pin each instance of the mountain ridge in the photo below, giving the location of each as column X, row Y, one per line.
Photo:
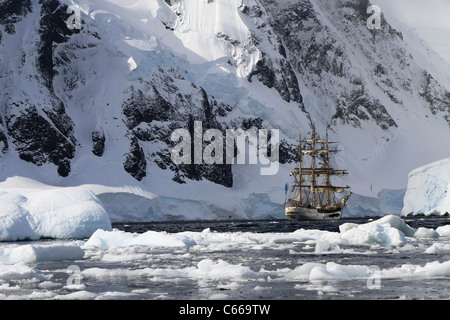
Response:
column 99, row 104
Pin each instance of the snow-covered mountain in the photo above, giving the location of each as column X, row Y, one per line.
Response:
column 98, row 104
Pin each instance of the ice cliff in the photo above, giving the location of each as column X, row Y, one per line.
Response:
column 428, row 189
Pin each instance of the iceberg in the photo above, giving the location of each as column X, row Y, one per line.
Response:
column 428, row 190
column 334, row 271
column 106, row 239
column 38, row 253
column 388, row 230
column 36, row 212
column 374, row 234
column 386, row 202
column 205, row 269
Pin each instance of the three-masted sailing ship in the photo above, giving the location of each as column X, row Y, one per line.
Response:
column 312, row 196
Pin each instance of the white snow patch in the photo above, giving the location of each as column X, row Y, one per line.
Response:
column 132, row 64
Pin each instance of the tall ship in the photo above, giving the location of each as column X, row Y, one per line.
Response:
column 313, row 194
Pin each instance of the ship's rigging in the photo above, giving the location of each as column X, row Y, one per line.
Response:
column 313, row 188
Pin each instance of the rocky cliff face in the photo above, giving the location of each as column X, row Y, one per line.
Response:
column 33, row 117
column 113, row 91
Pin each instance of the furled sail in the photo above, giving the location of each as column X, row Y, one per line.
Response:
column 313, row 194
column 296, row 197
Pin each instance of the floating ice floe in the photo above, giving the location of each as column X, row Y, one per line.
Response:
column 102, row 239
column 19, row 271
column 311, row 271
column 114, row 256
column 38, row 253
column 32, row 253
column 438, row 248
column 328, row 271
column 205, row 269
column 334, row 271
column 389, row 230
column 444, row 231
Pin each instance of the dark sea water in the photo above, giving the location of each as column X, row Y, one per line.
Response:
column 283, row 225
column 382, row 257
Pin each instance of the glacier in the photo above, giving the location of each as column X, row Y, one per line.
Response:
column 428, row 190
column 40, row 211
column 95, row 106
column 33, row 210
column 86, row 116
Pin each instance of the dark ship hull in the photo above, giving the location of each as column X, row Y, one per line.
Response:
column 309, row 213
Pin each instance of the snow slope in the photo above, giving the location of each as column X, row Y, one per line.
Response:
column 96, row 107
column 428, row 19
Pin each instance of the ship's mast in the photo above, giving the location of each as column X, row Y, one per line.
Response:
column 300, row 179
column 313, row 166
column 317, row 180
column 327, row 161
column 321, row 192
